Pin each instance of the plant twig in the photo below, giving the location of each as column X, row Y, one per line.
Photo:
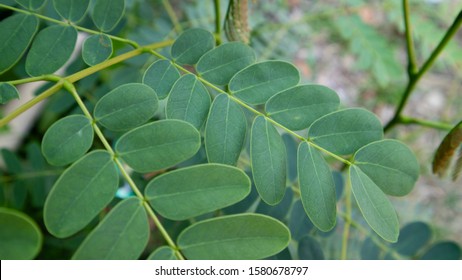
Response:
column 426, row 123
column 412, row 61
column 347, row 220
column 172, row 16
column 218, row 26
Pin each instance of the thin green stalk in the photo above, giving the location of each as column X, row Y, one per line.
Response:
column 51, row 78
column 346, row 227
column 412, row 61
column 425, row 123
column 217, row 21
column 172, row 15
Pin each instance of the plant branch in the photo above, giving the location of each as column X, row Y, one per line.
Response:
column 426, row 123
column 347, row 219
column 217, row 21
column 412, row 61
column 172, row 16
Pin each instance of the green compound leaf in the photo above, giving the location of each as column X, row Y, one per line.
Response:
column 122, row 234
column 161, row 76
column 163, row 253
column 191, row 45
column 126, row 107
column 345, row 131
column 51, row 49
column 158, row 145
column 31, row 4
column 80, row 193
column 107, row 13
column 412, row 238
column 16, row 33
column 67, row 140
column 196, row 190
column 238, row 237
column 96, row 49
column 445, row 250
column 219, row 65
column 390, row 164
column 298, row 107
column 259, row 82
column 72, row 10
column 189, row 101
column 310, row 249
column 268, row 160
column 317, row 187
column 225, row 131
column 374, row 205
column 8, row 92
column 20, row 237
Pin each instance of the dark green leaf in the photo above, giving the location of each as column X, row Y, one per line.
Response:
column 31, row 4
column 291, row 150
column 158, row 145
column 298, row 107
column 51, row 49
column 369, row 250
column 16, row 33
column 278, row 211
column 67, row 140
column 219, row 65
column 163, row 253
column 412, row 238
column 390, row 164
column 122, row 234
column 160, row 76
column 299, row 223
column 96, row 49
column 268, row 160
column 345, row 131
column 126, row 107
column 225, row 131
column 8, row 92
column 309, row 249
column 445, row 250
column 259, row 82
column 245, row 204
column 191, row 45
column 107, row 13
column 374, row 205
column 239, row 237
column 72, row 10
column 317, row 188
column 188, row 101
column 80, row 193
column 20, row 237
column 196, row 190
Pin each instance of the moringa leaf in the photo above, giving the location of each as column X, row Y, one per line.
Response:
column 239, row 237
column 444, row 250
column 96, row 49
column 191, row 45
column 160, row 76
column 31, row 4
column 163, row 253
column 72, row 10
column 8, row 92
column 412, row 237
column 107, row 13
column 309, row 249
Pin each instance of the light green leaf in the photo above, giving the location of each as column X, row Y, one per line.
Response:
column 72, row 10
column 374, row 205
column 298, row 107
column 16, row 33
column 219, row 65
column 412, row 238
column 196, row 190
column 444, row 250
column 80, row 193
column 345, row 131
column 160, row 76
column 163, row 253
column 121, row 235
column 268, row 160
column 189, row 101
column 158, row 145
column 309, row 249
column 238, row 237
column 20, row 237
column 51, row 49
column 126, row 107
column 390, row 164
column 67, row 140
column 191, row 45
column 225, row 131
column 31, row 4
column 107, row 13
column 317, row 187
column 8, row 92
column 96, row 49
column 259, row 82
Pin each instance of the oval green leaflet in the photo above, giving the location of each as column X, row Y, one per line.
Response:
column 72, row 10
column 107, row 14
column 67, row 140
column 298, row 107
column 96, row 49
column 51, row 49
column 189, row 101
column 258, row 82
column 390, row 164
column 219, row 65
column 158, row 145
column 20, row 236
column 268, row 160
column 412, row 237
column 344, row 132
column 126, row 107
column 163, row 253
column 121, row 235
column 80, row 193
column 31, row 4
column 225, row 131
column 191, row 45
column 192, row 191
column 238, row 237
column 160, row 76
column 8, row 92
column 16, row 33
column 444, row 250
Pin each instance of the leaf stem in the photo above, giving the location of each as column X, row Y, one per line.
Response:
column 412, row 61
column 347, row 219
column 426, row 123
column 217, row 21
column 172, row 16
